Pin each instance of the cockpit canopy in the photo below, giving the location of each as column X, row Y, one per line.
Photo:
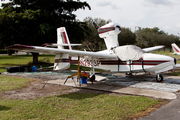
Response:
column 128, row 52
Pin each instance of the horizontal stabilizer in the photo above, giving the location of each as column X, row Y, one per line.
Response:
column 65, row 45
column 55, row 45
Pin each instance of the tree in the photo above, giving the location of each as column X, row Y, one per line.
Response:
column 147, row 37
column 126, row 37
column 34, row 22
column 19, row 28
column 92, row 39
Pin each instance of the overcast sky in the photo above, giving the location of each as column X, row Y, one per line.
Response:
column 164, row 14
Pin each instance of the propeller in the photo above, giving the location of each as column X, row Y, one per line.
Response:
column 95, row 25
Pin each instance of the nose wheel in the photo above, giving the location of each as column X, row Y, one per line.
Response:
column 159, row 78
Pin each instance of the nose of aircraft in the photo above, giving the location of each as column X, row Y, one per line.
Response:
column 160, row 58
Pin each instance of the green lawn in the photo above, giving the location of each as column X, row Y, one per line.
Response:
column 10, row 83
column 17, row 60
column 76, row 106
column 73, row 105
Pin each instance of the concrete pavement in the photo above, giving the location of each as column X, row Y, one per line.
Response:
column 143, row 85
column 118, row 89
column 169, row 112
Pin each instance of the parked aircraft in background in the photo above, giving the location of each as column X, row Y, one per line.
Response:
column 124, row 59
column 175, row 49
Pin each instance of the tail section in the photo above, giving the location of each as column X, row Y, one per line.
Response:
column 110, row 33
column 63, row 38
column 62, row 60
column 175, row 48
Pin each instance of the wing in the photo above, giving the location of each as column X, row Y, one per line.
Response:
column 37, row 49
column 153, row 48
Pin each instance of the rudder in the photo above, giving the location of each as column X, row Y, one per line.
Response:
column 62, row 60
column 175, row 48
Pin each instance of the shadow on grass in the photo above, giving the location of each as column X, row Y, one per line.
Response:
column 4, row 108
column 4, row 66
column 79, row 96
column 8, row 65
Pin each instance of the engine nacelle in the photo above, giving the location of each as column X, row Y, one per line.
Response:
column 110, row 34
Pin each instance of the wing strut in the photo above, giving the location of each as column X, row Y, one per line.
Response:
column 79, row 74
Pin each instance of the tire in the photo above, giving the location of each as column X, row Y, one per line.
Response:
column 160, row 79
column 92, row 78
column 128, row 73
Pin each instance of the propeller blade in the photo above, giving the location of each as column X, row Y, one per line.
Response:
column 95, row 25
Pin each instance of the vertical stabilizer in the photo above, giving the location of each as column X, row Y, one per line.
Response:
column 62, row 38
column 109, row 33
column 62, row 60
column 175, row 48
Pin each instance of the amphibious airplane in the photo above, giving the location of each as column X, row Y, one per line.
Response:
column 175, row 49
column 125, row 59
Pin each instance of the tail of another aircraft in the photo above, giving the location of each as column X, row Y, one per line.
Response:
column 62, row 60
column 175, row 49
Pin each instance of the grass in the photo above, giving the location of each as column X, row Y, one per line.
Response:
column 72, row 106
column 17, row 60
column 76, row 106
column 10, row 83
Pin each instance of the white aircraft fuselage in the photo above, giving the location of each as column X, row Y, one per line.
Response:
column 148, row 63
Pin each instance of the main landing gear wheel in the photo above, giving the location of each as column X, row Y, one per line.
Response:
column 128, row 73
column 159, row 78
column 92, row 78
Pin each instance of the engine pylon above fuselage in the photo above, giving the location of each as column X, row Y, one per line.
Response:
column 109, row 33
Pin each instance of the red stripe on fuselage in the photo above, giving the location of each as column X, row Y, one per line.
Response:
column 139, row 62
column 116, row 62
column 103, row 30
column 61, row 60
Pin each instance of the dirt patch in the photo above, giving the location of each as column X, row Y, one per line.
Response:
column 38, row 88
